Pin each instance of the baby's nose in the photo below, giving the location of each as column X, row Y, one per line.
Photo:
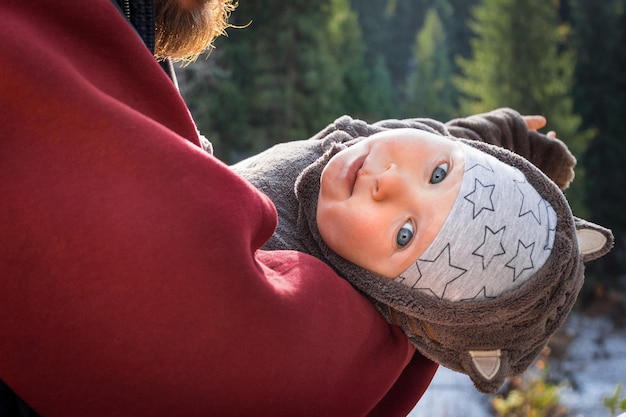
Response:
column 389, row 184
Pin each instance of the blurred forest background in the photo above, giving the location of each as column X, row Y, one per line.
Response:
column 298, row 65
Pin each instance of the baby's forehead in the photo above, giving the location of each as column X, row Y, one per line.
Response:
column 481, row 164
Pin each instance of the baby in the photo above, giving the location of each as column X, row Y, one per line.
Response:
column 468, row 247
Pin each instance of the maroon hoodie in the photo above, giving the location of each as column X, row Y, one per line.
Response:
column 131, row 283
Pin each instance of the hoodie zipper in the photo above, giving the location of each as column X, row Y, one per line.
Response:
column 126, row 8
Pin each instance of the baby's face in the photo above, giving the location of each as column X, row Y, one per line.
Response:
column 383, row 200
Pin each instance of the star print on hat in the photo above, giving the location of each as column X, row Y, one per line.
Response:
column 499, row 232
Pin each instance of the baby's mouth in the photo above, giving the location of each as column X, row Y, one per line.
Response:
column 353, row 171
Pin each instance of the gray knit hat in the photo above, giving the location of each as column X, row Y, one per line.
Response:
column 496, row 335
column 499, row 232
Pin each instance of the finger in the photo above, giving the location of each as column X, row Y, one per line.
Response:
column 535, row 122
column 552, row 134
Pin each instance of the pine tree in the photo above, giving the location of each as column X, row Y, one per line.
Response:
column 389, row 28
column 405, row 19
column 521, row 58
column 217, row 102
column 374, row 21
column 457, row 30
column 275, row 80
column 600, row 95
column 381, row 91
column 348, row 50
column 430, row 92
column 296, row 81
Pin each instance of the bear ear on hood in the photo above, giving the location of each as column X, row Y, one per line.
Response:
column 594, row 241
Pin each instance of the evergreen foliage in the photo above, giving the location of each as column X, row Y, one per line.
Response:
column 348, row 51
column 299, row 65
column 521, row 60
column 283, row 74
column 600, row 94
column 430, row 92
column 455, row 20
column 382, row 91
column 389, row 28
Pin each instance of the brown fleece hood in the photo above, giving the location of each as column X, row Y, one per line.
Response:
column 488, row 340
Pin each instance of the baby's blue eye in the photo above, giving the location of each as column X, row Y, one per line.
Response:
column 439, row 174
column 405, row 234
